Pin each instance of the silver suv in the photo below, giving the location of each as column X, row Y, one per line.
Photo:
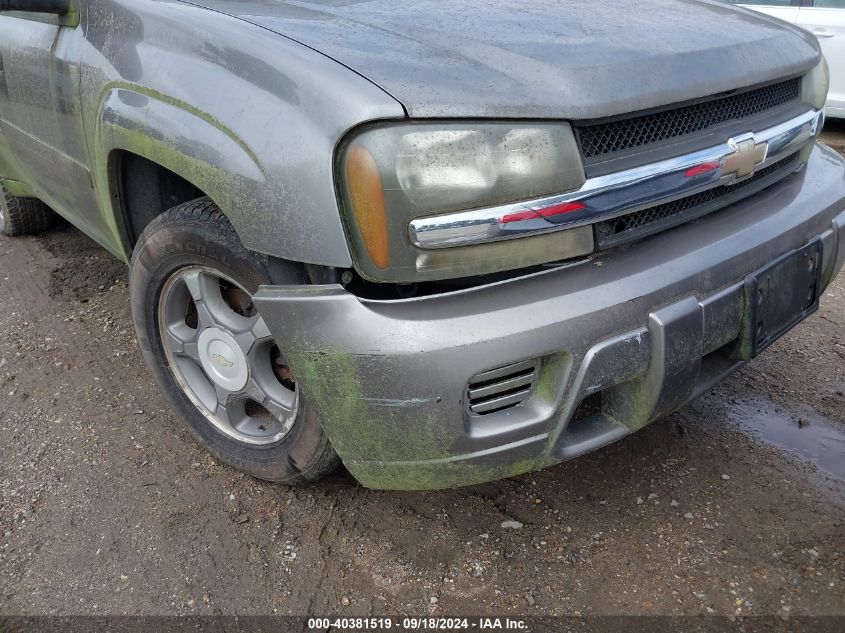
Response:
column 441, row 242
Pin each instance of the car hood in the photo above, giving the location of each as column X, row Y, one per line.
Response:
column 540, row 58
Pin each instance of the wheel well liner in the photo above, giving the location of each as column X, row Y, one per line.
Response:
column 146, row 190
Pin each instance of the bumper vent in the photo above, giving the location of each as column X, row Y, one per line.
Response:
column 501, row 389
column 633, row 226
column 606, row 138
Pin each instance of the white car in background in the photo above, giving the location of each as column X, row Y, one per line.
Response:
column 826, row 20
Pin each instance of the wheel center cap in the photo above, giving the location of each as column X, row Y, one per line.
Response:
column 222, row 359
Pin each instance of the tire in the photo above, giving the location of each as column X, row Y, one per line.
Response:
column 23, row 216
column 179, row 260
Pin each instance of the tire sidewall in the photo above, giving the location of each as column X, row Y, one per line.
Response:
column 164, row 248
column 3, row 215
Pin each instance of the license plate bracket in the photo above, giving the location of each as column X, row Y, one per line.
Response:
column 780, row 296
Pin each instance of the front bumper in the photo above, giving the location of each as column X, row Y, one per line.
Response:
column 648, row 328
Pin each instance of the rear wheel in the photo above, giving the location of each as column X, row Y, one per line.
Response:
column 23, row 216
column 191, row 284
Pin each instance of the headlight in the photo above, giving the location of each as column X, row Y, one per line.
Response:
column 393, row 174
column 816, row 85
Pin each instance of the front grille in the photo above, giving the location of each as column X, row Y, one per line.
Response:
column 502, row 388
column 633, row 226
column 602, row 139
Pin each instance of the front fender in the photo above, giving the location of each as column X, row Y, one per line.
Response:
column 248, row 116
column 191, row 144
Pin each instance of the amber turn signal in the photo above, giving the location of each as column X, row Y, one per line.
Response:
column 366, row 196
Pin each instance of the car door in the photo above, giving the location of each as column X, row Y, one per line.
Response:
column 40, row 111
column 826, row 20
column 8, row 165
column 784, row 9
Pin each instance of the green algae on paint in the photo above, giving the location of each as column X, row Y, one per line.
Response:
column 376, row 451
column 18, row 188
column 361, row 430
column 228, row 189
column 437, row 475
column 553, row 376
column 179, row 104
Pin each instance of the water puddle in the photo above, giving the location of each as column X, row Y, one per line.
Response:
column 804, row 433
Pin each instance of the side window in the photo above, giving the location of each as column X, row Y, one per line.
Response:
column 829, row 4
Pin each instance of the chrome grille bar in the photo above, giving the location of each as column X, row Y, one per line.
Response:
column 623, row 192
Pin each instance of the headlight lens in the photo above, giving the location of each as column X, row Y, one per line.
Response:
column 816, row 85
column 392, row 174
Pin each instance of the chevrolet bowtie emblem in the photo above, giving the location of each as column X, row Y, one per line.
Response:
column 222, row 360
column 747, row 156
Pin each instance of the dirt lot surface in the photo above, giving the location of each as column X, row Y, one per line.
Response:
column 834, row 134
column 732, row 506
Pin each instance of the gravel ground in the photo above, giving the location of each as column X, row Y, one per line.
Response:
column 732, row 506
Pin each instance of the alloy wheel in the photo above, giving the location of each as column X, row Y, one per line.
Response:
column 224, row 358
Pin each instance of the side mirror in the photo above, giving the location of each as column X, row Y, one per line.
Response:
column 56, row 7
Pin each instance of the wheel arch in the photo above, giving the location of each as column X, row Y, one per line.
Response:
column 143, row 190
column 144, row 139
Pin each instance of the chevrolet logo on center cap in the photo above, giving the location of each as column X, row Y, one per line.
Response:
column 221, row 360
column 747, row 156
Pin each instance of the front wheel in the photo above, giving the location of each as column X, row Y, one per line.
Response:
column 191, row 285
